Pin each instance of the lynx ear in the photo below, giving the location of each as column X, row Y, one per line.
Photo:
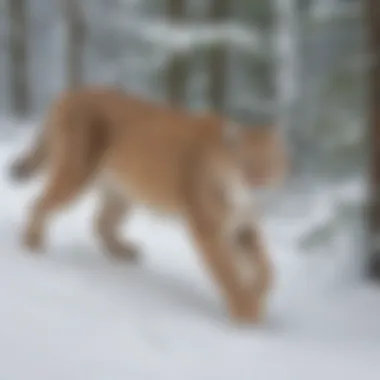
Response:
column 231, row 132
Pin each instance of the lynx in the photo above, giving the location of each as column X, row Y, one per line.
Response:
column 202, row 167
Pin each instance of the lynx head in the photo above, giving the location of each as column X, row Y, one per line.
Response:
column 260, row 154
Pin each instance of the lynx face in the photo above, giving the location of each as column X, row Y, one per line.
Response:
column 261, row 158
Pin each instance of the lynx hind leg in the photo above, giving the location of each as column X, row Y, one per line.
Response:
column 74, row 157
column 25, row 166
column 249, row 243
column 62, row 187
column 114, row 208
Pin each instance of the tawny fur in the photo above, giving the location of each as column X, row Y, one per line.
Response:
column 201, row 167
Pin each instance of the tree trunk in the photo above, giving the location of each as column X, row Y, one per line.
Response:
column 75, row 42
column 177, row 70
column 373, row 22
column 218, row 61
column 287, row 58
column 18, row 67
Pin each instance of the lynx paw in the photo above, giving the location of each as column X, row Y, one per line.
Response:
column 123, row 251
column 252, row 313
column 33, row 241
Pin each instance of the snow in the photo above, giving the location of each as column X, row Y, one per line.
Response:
column 72, row 314
column 185, row 37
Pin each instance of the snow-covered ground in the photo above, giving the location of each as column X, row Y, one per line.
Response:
column 72, row 314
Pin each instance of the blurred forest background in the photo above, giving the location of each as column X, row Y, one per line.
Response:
column 301, row 62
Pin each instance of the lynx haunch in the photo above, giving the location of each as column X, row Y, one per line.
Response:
column 201, row 167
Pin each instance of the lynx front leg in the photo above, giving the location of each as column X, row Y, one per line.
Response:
column 224, row 269
column 206, row 216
